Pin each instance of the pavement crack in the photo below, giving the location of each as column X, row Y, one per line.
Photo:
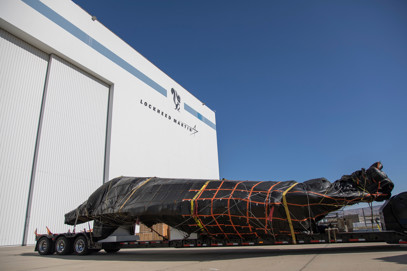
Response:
column 312, row 259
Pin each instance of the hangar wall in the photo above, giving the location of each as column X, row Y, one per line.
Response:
column 70, row 160
column 19, row 116
column 80, row 107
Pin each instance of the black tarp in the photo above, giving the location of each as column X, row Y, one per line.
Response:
column 228, row 209
column 395, row 213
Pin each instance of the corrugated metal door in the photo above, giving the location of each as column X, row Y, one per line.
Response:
column 22, row 75
column 72, row 145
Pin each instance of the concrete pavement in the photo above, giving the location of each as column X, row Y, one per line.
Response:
column 318, row 257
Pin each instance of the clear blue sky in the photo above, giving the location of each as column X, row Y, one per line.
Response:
column 301, row 89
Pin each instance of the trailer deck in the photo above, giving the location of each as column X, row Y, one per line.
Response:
column 45, row 243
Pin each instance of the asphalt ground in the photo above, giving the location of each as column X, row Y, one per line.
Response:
column 327, row 257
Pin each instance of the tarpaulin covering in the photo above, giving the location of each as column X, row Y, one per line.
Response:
column 229, row 209
column 395, row 213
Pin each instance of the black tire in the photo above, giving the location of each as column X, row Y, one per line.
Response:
column 111, row 250
column 63, row 246
column 45, row 246
column 80, row 245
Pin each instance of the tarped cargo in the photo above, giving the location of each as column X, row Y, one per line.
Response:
column 228, row 209
column 394, row 213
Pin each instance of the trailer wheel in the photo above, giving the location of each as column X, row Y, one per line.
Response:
column 111, row 250
column 80, row 245
column 45, row 246
column 63, row 246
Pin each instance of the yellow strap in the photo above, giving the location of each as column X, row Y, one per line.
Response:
column 288, row 213
column 378, row 226
column 198, row 222
column 134, row 190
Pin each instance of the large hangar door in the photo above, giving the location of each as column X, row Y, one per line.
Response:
column 22, row 74
column 71, row 154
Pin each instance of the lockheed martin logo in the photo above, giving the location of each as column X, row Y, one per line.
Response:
column 169, row 117
column 176, row 98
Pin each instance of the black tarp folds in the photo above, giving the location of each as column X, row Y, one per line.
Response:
column 228, row 209
column 395, row 213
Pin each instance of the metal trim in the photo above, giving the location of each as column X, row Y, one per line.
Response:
column 91, row 42
column 35, row 158
column 108, row 134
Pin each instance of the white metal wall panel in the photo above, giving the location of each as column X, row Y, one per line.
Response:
column 162, row 148
column 72, row 147
column 22, row 75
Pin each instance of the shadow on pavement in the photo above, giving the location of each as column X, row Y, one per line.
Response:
column 400, row 259
column 210, row 254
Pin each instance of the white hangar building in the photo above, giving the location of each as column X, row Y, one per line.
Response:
column 79, row 106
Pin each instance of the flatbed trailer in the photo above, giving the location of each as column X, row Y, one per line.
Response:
column 393, row 217
column 82, row 244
